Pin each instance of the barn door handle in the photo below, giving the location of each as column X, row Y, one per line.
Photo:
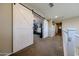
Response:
column 69, row 39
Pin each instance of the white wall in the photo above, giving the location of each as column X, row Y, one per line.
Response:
column 5, row 28
column 32, row 6
column 22, row 27
column 71, row 22
column 51, row 29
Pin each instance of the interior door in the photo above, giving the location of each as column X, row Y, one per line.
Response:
column 45, row 28
column 22, row 27
column 71, row 41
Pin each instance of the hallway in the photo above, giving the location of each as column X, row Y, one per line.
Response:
column 43, row 47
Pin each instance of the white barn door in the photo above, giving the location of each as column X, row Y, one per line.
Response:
column 22, row 27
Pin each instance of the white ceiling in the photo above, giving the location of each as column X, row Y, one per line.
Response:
column 65, row 10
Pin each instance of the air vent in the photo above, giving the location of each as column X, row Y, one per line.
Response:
column 51, row 4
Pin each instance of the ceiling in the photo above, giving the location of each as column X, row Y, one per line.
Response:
column 65, row 10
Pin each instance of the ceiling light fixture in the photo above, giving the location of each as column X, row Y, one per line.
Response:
column 56, row 16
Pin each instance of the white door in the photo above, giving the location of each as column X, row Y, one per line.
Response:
column 22, row 27
column 71, row 41
column 45, row 28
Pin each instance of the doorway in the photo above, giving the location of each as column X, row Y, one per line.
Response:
column 59, row 28
column 37, row 27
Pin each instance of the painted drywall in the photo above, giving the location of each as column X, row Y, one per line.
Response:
column 33, row 8
column 22, row 27
column 51, row 28
column 71, row 22
column 5, row 28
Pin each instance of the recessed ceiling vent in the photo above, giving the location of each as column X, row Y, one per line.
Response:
column 51, row 4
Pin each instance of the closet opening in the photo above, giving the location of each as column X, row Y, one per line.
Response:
column 37, row 27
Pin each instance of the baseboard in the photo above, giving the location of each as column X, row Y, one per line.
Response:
column 20, row 49
column 5, row 54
